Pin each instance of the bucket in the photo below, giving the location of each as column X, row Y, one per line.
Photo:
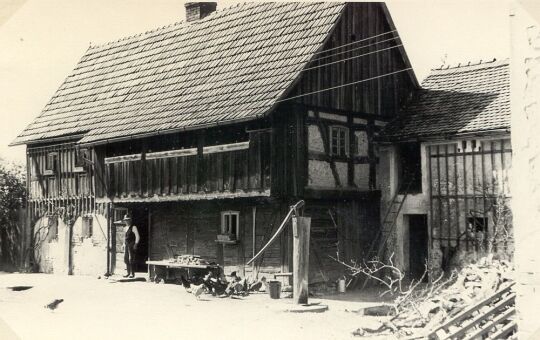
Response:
column 274, row 288
column 341, row 285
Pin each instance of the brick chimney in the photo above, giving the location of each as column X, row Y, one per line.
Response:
column 198, row 10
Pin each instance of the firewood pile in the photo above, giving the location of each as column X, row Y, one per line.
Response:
column 190, row 260
column 420, row 310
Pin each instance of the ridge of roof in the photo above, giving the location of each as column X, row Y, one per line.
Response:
column 462, row 67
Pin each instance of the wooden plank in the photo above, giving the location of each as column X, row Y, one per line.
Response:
column 219, row 171
column 124, row 175
column 276, row 165
column 226, row 147
column 130, row 178
column 266, row 161
column 201, row 169
column 172, row 153
column 149, row 170
column 225, row 167
column 174, row 175
column 185, row 175
column 124, row 158
column 160, row 177
column 166, row 176
column 192, row 163
column 504, row 332
column 254, row 165
column 143, row 171
column 468, row 311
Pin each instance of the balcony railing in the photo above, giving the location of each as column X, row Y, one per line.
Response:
column 227, row 169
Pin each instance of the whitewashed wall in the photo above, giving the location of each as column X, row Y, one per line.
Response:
column 525, row 177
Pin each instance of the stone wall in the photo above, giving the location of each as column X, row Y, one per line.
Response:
column 88, row 248
column 525, row 177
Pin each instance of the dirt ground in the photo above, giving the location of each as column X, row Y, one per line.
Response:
column 104, row 309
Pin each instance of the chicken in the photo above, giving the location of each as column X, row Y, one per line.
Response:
column 256, row 286
column 197, row 290
column 53, row 305
column 185, row 283
column 214, row 284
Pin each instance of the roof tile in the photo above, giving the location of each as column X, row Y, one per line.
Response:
column 233, row 65
column 454, row 101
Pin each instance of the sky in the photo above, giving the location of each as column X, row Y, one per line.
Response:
column 41, row 41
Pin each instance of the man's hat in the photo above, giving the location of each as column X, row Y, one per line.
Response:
column 126, row 218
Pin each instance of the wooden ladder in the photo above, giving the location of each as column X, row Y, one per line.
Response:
column 389, row 221
column 491, row 318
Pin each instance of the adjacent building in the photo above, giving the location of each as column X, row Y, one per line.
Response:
column 447, row 159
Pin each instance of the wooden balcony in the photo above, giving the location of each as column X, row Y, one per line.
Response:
column 218, row 171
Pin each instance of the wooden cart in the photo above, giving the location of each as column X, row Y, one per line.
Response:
column 170, row 271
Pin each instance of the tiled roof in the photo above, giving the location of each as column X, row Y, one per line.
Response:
column 231, row 66
column 457, row 101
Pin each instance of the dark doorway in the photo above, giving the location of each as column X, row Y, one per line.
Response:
column 410, row 168
column 418, row 245
column 140, row 219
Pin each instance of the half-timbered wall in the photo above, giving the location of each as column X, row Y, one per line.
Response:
column 467, row 180
column 61, row 193
column 55, row 173
column 356, row 169
column 59, row 178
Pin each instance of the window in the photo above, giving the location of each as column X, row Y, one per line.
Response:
column 230, row 224
column 339, row 141
column 477, row 224
column 51, row 163
column 478, row 229
column 80, row 156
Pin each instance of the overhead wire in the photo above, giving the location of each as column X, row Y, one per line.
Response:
column 355, row 42
column 351, row 58
column 344, row 85
column 356, row 49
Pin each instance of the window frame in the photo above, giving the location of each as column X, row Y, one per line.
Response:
column 226, row 228
column 51, row 163
column 345, row 147
column 78, row 161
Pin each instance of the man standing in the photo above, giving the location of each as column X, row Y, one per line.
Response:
column 131, row 241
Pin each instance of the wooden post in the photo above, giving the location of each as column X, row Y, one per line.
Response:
column 301, row 229
column 254, row 239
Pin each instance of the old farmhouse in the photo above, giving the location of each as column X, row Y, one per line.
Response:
column 213, row 127
column 207, row 130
